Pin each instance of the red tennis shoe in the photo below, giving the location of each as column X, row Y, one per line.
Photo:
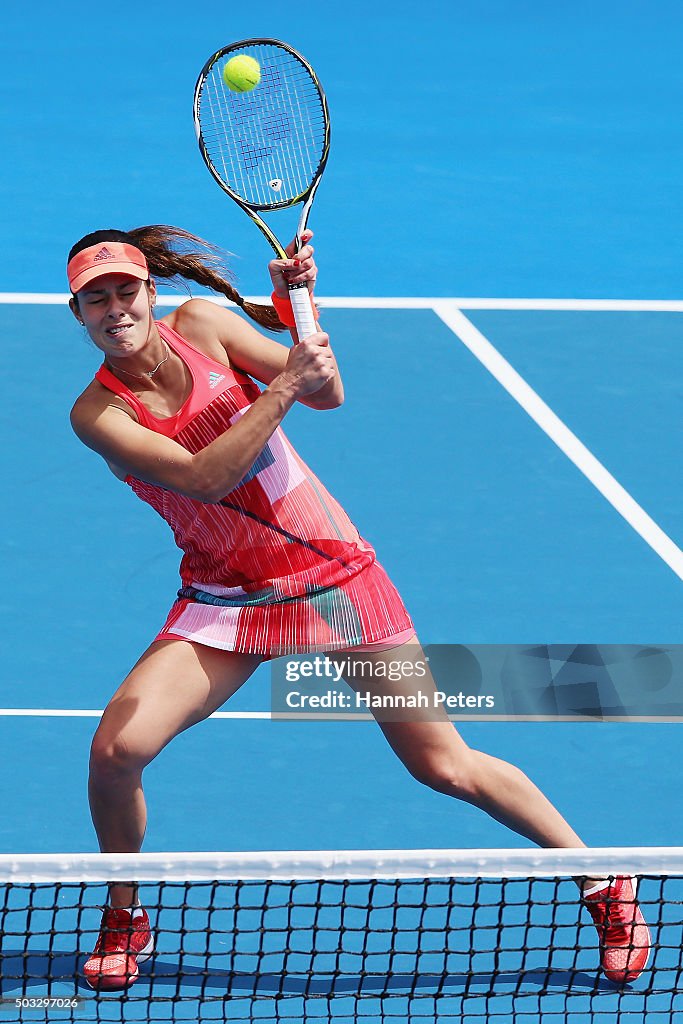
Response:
column 122, row 945
column 624, row 937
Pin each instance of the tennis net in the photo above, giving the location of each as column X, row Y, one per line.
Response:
column 426, row 935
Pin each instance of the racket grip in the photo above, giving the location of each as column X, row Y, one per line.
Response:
column 303, row 311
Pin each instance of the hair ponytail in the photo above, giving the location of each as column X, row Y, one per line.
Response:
column 174, row 253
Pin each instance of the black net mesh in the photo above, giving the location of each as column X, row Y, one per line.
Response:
column 430, row 949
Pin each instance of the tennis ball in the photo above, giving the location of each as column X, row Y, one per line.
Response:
column 242, row 73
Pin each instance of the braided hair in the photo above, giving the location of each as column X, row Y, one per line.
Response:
column 173, row 253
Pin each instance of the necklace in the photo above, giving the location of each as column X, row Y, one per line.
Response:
column 148, row 373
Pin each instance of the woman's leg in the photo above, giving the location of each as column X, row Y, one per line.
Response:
column 174, row 685
column 434, row 753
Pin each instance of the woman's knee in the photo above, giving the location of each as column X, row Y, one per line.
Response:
column 111, row 756
column 453, row 775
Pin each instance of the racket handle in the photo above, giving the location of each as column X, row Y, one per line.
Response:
column 303, row 312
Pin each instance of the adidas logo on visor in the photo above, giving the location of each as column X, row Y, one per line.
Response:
column 104, row 254
column 215, row 379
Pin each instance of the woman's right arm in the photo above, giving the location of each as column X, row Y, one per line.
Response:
column 210, row 474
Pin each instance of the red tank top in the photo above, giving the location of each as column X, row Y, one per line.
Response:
column 278, row 533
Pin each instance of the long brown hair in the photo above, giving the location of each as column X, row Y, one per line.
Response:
column 173, row 253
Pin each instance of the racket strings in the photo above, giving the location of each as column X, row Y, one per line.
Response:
column 267, row 144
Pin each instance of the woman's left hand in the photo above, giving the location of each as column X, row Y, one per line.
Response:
column 298, row 268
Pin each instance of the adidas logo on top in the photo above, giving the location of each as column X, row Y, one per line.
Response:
column 104, row 254
column 215, row 379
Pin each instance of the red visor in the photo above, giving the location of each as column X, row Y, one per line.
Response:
column 105, row 258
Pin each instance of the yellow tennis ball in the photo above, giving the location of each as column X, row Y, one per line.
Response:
column 242, row 73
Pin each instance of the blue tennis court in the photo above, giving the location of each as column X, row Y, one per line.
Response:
column 498, row 235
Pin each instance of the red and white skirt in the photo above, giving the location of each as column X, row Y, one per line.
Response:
column 365, row 611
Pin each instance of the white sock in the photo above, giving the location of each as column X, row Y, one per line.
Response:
column 597, row 888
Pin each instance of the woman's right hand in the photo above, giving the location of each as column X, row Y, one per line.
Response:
column 310, row 364
column 298, row 268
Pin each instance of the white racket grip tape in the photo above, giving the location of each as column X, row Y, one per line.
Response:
column 303, row 311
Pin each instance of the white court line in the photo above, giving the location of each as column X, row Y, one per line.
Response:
column 399, row 302
column 74, row 713
column 557, row 431
column 449, row 312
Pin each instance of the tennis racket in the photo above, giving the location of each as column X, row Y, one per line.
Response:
column 267, row 148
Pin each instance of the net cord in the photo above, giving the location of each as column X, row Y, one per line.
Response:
column 344, row 864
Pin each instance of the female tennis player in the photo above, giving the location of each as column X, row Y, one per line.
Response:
column 271, row 563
